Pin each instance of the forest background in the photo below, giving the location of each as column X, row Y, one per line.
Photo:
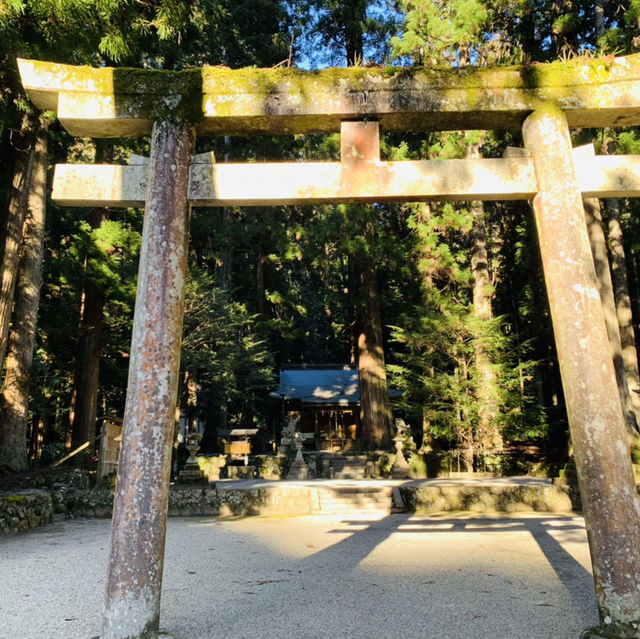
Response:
column 453, row 293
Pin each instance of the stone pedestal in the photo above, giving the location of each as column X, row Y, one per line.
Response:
column 299, row 468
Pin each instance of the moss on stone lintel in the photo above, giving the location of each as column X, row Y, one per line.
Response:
column 39, row 75
column 575, row 72
column 286, row 100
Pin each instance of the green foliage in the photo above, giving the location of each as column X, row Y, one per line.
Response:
column 224, row 342
column 417, row 466
column 107, row 256
column 108, row 251
column 59, row 30
column 436, row 31
column 274, row 286
column 628, row 142
column 168, row 34
column 343, row 32
column 51, row 453
column 438, row 373
column 437, row 340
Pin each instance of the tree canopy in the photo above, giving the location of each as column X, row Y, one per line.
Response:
column 271, row 287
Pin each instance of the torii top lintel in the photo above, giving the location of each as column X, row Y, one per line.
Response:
column 114, row 102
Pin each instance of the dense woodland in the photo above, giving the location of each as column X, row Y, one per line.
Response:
column 453, row 294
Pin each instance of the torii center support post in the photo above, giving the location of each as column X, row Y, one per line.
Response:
column 596, row 422
column 134, row 576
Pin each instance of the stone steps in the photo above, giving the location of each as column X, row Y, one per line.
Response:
column 354, row 499
column 346, row 466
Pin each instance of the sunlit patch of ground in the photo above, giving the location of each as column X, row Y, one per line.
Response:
column 401, row 576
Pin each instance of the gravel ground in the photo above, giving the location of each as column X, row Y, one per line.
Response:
column 399, row 576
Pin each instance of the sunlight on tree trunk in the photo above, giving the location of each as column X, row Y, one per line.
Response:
column 375, row 408
column 13, row 233
column 15, row 393
column 488, row 433
column 86, row 382
column 601, row 261
column 625, row 356
column 620, row 281
column 423, row 215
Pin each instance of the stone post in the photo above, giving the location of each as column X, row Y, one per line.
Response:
column 596, row 421
column 134, row 577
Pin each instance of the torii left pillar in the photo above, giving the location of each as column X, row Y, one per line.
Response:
column 136, row 556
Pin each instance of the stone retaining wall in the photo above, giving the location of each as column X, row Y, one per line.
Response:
column 210, row 502
column 485, row 499
column 269, row 500
column 25, row 510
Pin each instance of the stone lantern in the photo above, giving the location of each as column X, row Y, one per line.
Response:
column 191, row 473
column 400, row 468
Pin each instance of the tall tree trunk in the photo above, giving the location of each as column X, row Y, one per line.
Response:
column 625, row 356
column 489, row 436
column 36, row 438
column 620, row 282
column 87, row 373
column 375, row 408
column 18, row 199
column 13, row 144
column 425, row 257
column 465, row 429
column 15, row 393
column 352, row 309
column 225, row 271
column 354, row 14
column 488, row 433
column 598, row 18
column 86, row 380
column 634, row 280
column 423, row 215
column 601, row 261
column 261, row 258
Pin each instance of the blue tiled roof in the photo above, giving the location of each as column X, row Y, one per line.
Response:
column 322, row 386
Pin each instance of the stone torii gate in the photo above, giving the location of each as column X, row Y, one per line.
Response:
column 545, row 100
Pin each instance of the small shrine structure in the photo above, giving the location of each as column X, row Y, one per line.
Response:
column 542, row 100
column 324, row 404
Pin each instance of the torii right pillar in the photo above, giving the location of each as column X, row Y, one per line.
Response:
column 596, row 421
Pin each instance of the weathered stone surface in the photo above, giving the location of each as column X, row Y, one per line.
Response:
column 93, row 503
column 25, row 510
column 103, row 184
column 596, row 422
column 134, row 576
column 118, row 102
column 274, row 498
column 285, row 183
column 485, row 499
column 241, row 472
column 269, row 467
column 211, row 466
